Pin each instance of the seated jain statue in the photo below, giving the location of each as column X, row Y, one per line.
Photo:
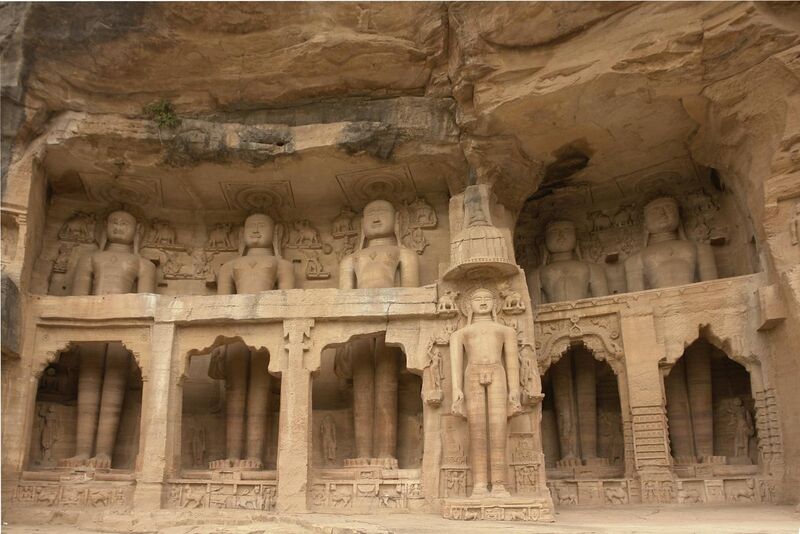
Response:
column 380, row 261
column 104, row 367
column 489, row 388
column 668, row 258
column 563, row 275
column 247, row 383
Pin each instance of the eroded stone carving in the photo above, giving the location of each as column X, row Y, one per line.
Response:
column 79, row 228
column 668, row 258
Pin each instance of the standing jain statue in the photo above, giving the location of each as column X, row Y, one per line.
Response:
column 564, row 275
column 380, row 261
column 489, row 389
column 259, row 267
column 104, row 367
column 668, row 258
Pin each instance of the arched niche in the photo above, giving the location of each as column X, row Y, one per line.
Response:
column 230, row 405
column 711, row 409
column 344, row 368
column 88, row 406
column 583, row 415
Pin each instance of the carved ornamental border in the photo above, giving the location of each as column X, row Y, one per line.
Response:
column 600, row 333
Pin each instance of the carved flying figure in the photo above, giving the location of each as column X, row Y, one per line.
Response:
column 564, row 275
column 116, row 268
column 380, row 261
column 668, row 258
column 259, row 268
column 489, row 386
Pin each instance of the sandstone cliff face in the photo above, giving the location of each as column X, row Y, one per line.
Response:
column 529, row 96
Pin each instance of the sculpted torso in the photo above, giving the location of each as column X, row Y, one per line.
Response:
column 565, row 280
column 253, row 274
column 669, row 263
column 376, row 266
column 114, row 272
column 484, row 342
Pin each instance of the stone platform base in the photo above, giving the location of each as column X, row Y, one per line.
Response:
column 385, row 463
column 510, row 509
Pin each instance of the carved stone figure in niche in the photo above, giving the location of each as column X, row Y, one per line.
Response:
column 61, row 263
column 343, row 223
column 512, row 300
column 379, row 262
column 446, row 306
column 328, row 428
column 247, row 396
column 160, row 234
column 49, row 432
column 260, row 266
column 102, row 381
column 564, row 275
column 198, row 444
column 422, row 214
column 221, row 237
column 668, row 258
column 104, row 367
column 795, row 225
column 489, row 385
column 305, row 235
column 743, row 428
column 380, row 257
column 247, row 385
column 117, row 265
column 79, row 228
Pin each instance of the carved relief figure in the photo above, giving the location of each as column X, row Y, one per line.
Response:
column 247, row 384
column 220, row 237
column 198, row 444
column 794, row 225
column 49, row 432
column 489, row 386
column 381, row 261
column 564, row 275
column 328, row 428
column 743, row 428
column 668, row 258
column 104, row 367
column 79, row 228
column 161, row 233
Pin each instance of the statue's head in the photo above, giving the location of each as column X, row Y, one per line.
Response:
column 121, row 228
column 481, row 302
column 560, row 236
column 259, row 231
column 378, row 219
column 661, row 215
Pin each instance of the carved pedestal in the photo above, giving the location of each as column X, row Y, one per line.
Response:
column 507, row 509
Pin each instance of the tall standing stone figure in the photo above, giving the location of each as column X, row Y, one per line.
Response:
column 259, row 267
column 380, row 261
column 104, row 367
column 489, row 387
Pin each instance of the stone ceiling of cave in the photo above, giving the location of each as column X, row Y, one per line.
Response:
column 618, row 85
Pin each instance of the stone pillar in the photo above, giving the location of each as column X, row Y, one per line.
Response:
column 236, row 364
column 698, row 385
column 90, row 382
column 387, row 362
column 294, row 434
column 154, row 447
column 681, row 437
column 648, row 417
column 564, row 402
column 362, row 351
column 586, row 394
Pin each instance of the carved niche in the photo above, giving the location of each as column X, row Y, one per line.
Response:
column 600, row 334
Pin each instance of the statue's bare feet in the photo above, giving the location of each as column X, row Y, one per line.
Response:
column 223, row 463
column 499, row 491
column 480, row 490
column 76, row 461
column 251, row 463
column 101, row 461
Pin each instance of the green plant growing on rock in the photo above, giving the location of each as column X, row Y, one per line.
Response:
column 163, row 113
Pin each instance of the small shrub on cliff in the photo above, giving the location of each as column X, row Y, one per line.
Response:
column 163, row 113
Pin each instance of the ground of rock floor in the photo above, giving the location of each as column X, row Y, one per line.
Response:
column 641, row 519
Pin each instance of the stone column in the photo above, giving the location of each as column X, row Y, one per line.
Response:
column 564, row 402
column 648, row 417
column 90, row 381
column 586, row 393
column 679, row 417
column 363, row 355
column 698, row 385
column 294, row 434
column 387, row 362
column 156, row 396
column 236, row 364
